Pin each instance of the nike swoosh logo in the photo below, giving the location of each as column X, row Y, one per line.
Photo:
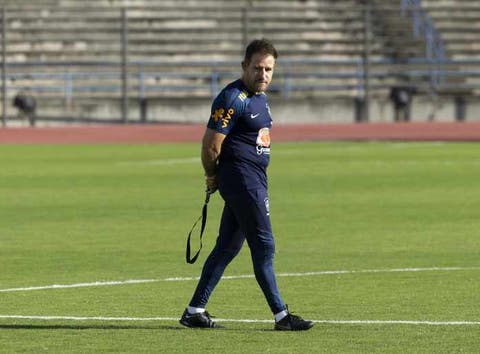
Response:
column 253, row 116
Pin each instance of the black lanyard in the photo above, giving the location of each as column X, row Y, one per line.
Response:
column 204, row 222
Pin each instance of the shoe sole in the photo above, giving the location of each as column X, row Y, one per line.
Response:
column 292, row 329
column 186, row 324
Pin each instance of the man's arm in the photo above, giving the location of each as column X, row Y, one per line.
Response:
column 211, row 148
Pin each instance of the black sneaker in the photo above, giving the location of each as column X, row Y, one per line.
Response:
column 197, row 320
column 293, row 323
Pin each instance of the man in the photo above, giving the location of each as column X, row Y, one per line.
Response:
column 235, row 156
column 26, row 105
column 401, row 97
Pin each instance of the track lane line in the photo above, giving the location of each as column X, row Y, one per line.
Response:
column 232, row 320
column 233, row 277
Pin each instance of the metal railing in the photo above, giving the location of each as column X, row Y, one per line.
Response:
column 68, row 82
column 434, row 46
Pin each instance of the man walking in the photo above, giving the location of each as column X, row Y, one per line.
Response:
column 235, row 156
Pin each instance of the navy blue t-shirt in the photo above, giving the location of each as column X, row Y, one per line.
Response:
column 244, row 118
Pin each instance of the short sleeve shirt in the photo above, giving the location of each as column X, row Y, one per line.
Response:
column 245, row 119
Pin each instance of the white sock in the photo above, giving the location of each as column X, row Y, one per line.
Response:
column 193, row 310
column 279, row 316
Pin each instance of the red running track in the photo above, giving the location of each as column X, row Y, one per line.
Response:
column 172, row 133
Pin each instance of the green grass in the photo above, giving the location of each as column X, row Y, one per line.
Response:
column 73, row 214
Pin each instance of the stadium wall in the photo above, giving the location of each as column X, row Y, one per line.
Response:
column 308, row 110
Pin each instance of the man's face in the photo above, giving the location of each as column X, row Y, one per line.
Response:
column 258, row 72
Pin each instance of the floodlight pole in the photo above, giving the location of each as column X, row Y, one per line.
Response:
column 366, row 60
column 4, row 67
column 244, row 27
column 124, row 44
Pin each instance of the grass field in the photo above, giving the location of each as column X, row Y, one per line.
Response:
column 401, row 220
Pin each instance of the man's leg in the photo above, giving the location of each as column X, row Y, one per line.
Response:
column 229, row 243
column 252, row 212
column 254, row 218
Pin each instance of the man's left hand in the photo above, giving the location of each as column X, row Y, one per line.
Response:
column 211, row 183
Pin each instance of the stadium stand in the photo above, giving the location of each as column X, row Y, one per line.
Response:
column 70, row 51
column 177, row 30
column 458, row 22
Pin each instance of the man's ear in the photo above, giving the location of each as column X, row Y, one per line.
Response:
column 244, row 65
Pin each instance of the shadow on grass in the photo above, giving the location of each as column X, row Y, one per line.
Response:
column 84, row 327
column 123, row 327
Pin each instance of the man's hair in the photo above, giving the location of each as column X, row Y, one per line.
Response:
column 262, row 46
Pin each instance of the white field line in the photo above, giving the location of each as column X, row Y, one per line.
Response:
column 82, row 285
column 333, row 272
column 244, row 276
column 426, row 144
column 160, row 162
column 167, row 319
column 187, row 160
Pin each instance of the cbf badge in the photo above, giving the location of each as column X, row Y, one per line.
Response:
column 263, row 141
column 267, row 205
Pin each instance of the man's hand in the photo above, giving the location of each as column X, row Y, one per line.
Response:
column 211, row 184
column 211, row 148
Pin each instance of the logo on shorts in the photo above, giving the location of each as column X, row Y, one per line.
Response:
column 267, row 205
column 263, row 141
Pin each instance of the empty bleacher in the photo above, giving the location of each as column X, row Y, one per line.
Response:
column 458, row 22
column 167, row 37
column 74, row 30
column 210, row 29
column 71, row 50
